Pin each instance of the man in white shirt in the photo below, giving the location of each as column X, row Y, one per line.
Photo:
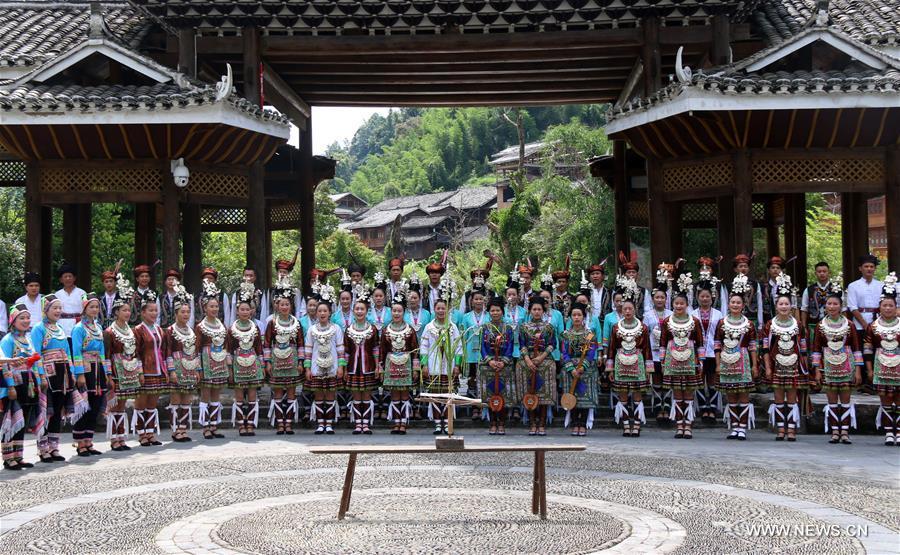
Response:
column 601, row 300
column 708, row 398
column 435, row 271
column 70, row 296
column 32, row 297
column 863, row 297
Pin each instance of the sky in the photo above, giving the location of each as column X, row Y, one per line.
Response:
column 335, row 124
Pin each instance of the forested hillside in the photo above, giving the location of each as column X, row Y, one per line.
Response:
column 414, row 150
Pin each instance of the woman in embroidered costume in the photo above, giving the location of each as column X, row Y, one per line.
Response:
column 399, row 356
column 579, row 357
column 627, row 356
column 784, row 353
column 737, row 364
column 325, row 362
column 182, row 362
column 90, row 361
column 416, row 316
column 708, row 398
column 343, row 315
column 64, row 397
column 214, row 374
column 496, row 372
column 246, row 361
column 149, row 344
column 361, row 344
column 536, row 370
column 379, row 314
column 284, row 358
column 120, row 346
column 660, row 396
column 838, row 360
column 24, row 389
column 441, row 354
column 681, row 351
column 882, row 355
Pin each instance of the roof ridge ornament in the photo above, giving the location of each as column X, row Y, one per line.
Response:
column 98, row 28
column 821, row 17
column 683, row 73
column 225, row 86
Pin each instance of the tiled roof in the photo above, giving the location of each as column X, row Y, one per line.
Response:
column 874, row 22
column 378, row 218
column 424, row 221
column 471, row 198
column 428, row 16
column 32, row 97
column 511, row 154
column 36, row 31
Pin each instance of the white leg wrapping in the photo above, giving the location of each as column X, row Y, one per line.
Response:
column 234, row 412
column 271, row 415
column 294, row 406
column 639, row 415
column 795, row 415
column 190, row 416
column 431, row 411
column 154, row 414
column 173, row 418
column 829, row 412
column 204, row 414
column 121, row 420
column 313, row 410
column 390, row 412
column 672, row 412
column 568, row 419
column 772, row 414
column 109, row 424
column 134, row 420
column 751, row 419
column 620, row 410
column 589, row 424
column 370, row 411
column 689, row 413
column 726, row 416
column 334, row 411
column 851, row 414
column 254, row 411
column 407, row 410
column 878, row 416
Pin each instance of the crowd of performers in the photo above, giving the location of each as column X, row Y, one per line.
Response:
column 365, row 351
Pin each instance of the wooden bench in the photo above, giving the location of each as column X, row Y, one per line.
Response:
column 539, row 480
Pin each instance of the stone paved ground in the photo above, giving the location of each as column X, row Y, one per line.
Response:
column 651, row 494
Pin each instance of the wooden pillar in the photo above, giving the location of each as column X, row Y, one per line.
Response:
column 83, row 247
column 171, row 230
column 790, row 237
column 34, row 223
column 251, row 61
column 268, row 261
column 187, row 52
column 307, row 191
column 725, row 232
column 191, row 239
column 892, row 205
column 743, row 202
column 651, row 58
column 676, row 231
column 721, row 46
column 145, row 236
column 256, row 203
column 772, row 242
column 799, row 268
column 620, row 197
column 660, row 229
column 46, row 249
column 854, row 232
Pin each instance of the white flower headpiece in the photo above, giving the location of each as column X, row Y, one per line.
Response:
column 889, row 289
column 740, row 284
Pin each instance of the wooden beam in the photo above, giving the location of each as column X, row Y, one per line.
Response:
column 743, row 202
column 854, row 232
column 650, row 56
column 306, row 198
column 34, row 237
column 256, row 224
column 187, row 52
column 633, row 77
column 620, row 192
column 550, row 57
column 191, row 241
column 292, row 101
column 46, row 247
column 363, row 75
column 485, row 88
column 460, row 100
column 660, row 228
column 676, row 230
column 170, row 220
column 892, row 204
column 800, row 265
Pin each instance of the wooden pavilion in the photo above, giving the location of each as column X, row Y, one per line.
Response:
column 99, row 75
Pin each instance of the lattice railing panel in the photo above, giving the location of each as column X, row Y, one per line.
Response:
column 219, row 184
column 214, row 217
column 638, row 213
column 100, row 180
column 759, row 211
column 703, row 175
column 805, row 170
column 12, row 171
column 699, row 212
column 285, row 214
